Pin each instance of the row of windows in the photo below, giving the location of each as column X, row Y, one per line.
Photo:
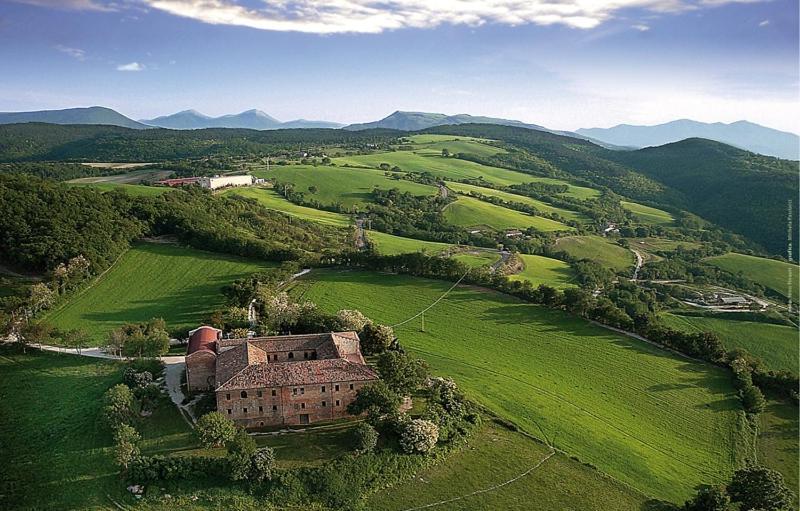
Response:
column 295, row 391
column 297, row 406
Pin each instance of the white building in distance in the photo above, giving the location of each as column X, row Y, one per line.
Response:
column 213, row 183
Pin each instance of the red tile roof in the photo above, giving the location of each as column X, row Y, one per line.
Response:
column 307, row 372
column 203, row 338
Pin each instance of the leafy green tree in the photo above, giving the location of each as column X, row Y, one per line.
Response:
column 709, row 498
column 78, row 339
column 376, row 339
column 366, row 437
column 402, row 372
column 445, row 153
column 753, row 399
column 760, row 488
column 214, row 430
column 118, row 405
column 377, row 397
column 126, row 445
column 263, row 464
column 240, row 452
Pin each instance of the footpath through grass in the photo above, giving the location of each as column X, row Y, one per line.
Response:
column 770, row 273
column 181, row 285
column 649, row 418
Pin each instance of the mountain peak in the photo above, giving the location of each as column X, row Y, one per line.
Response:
column 82, row 115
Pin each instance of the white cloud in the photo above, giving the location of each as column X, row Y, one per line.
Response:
column 641, row 27
column 75, row 53
column 764, row 23
column 133, row 66
column 375, row 16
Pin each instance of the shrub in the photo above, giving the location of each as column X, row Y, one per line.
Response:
column 376, row 398
column 760, row 488
column 118, row 405
column 711, row 498
column 351, row 320
column 376, row 339
column 420, row 436
column 752, row 399
column 136, row 379
column 126, row 445
column 262, row 464
column 214, row 430
column 240, row 452
column 148, row 396
column 161, row 468
column 366, row 438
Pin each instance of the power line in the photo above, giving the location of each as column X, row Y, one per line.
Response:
column 429, row 307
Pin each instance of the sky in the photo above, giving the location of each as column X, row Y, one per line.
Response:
column 563, row 64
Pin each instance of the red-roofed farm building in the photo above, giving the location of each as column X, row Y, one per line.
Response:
column 279, row 380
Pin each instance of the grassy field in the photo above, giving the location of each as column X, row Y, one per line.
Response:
column 433, row 145
column 150, row 280
column 348, row 186
column 648, row 215
column 776, row 345
column 649, row 246
column 388, row 244
column 471, row 212
column 650, row 419
column 778, row 441
column 494, row 455
column 132, row 189
column 597, row 249
column 132, row 177
column 545, row 270
column 456, row 169
column 510, row 197
column 272, row 200
column 476, row 259
column 767, row 272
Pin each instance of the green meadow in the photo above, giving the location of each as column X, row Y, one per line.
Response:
column 150, row 280
column 389, row 244
column 434, row 144
column 477, row 258
column 776, row 345
column 770, row 273
column 647, row 214
column 511, row 197
column 778, row 442
column 597, row 249
column 651, row 419
column 347, row 186
column 545, row 270
column 472, row 212
column 271, row 199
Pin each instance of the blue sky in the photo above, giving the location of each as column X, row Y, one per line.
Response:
column 565, row 64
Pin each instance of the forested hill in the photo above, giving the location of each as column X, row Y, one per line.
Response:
column 743, row 191
column 51, row 142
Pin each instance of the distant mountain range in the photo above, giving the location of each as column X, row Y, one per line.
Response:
column 741, row 134
column 251, row 119
column 414, row 121
column 90, row 115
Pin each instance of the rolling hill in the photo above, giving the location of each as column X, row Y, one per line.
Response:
column 742, row 134
column 90, row 115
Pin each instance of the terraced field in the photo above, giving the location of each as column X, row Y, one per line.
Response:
column 545, row 270
column 150, row 280
column 597, row 249
column 510, row 197
column 649, row 418
column 347, row 186
column 770, row 273
column 389, row 244
column 648, row 215
column 471, row 212
column 776, row 345
column 273, row 200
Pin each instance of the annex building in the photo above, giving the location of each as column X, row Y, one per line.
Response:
column 278, row 380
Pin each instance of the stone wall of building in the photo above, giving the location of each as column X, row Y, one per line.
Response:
column 200, row 370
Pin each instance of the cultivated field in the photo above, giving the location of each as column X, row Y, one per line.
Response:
column 495, row 455
column 150, row 280
column 347, row 186
column 388, row 244
column 510, row 197
column 649, row 418
column 647, row 214
column 545, row 270
column 597, row 249
column 472, row 212
column 776, row 345
column 271, row 199
column 770, row 273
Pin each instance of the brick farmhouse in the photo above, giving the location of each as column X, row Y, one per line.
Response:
column 279, row 380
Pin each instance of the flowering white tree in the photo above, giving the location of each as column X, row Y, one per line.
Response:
column 352, row 319
column 419, row 436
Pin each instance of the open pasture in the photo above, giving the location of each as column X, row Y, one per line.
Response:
column 477, row 258
column 181, row 285
column 653, row 420
column 545, row 270
column 647, row 214
column 472, row 212
column 776, row 345
column 434, row 144
column 511, row 197
column 770, row 273
column 600, row 250
column 389, row 244
column 271, row 199
column 349, row 187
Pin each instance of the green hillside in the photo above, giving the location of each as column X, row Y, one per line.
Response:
column 776, row 345
column 545, row 270
column 471, row 212
column 770, row 273
column 432, row 145
column 648, row 215
column 151, row 280
column 597, row 249
column 141, row 190
column 476, row 258
column 650, row 419
column 272, row 200
column 512, row 197
column 389, row 244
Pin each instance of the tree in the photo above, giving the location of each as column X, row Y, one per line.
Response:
column 78, row 339
column 352, row 320
column 40, row 297
column 126, row 448
column 752, row 399
column 376, row 339
column 263, row 463
column 402, row 372
column 240, row 451
column 377, row 397
column 577, row 300
column 709, row 498
column 280, row 313
column 366, row 438
column 118, row 405
column 313, row 189
column 214, row 430
column 445, row 152
column 116, row 341
column 419, row 436
column 40, row 332
column 760, row 488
